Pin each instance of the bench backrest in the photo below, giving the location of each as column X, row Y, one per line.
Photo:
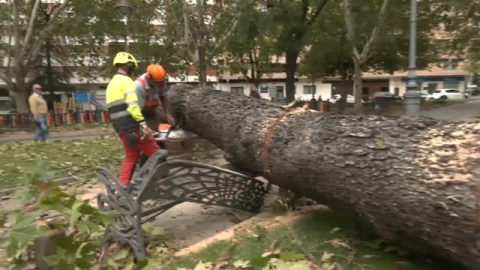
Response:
column 180, row 180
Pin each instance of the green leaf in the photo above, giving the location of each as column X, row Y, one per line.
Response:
column 23, row 231
column 120, row 255
column 154, row 230
column 75, row 213
column 259, row 262
column 290, row 256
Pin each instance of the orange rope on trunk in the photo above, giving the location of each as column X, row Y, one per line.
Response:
column 265, row 154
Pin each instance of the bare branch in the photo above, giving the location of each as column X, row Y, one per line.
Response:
column 321, row 5
column 33, row 53
column 227, row 35
column 350, row 28
column 31, row 25
column 187, row 34
column 16, row 26
column 375, row 33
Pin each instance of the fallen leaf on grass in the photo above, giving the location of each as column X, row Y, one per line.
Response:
column 327, row 256
column 221, row 263
column 368, row 256
column 203, row 266
column 241, row 264
column 334, row 230
column 273, row 250
column 340, row 243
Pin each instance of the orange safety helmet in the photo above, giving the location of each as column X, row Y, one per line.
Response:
column 156, row 73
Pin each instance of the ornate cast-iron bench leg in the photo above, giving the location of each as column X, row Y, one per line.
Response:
column 127, row 227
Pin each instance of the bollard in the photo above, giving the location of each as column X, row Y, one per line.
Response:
column 50, row 119
column 92, row 117
column 3, row 121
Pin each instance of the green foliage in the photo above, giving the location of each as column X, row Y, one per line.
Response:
column 251, row 47
column 81, row 224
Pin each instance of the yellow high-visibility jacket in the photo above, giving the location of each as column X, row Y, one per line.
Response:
column 122, row 103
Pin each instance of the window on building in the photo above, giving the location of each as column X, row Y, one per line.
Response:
column 397, row 91
column 451, row 64
column 309, row 89
column 432, row 87
column 264, row 89
column 279, row 92
column 455, row 64
column 365, row 91
column 237, row 90
column 384, row 89
column 450, row 85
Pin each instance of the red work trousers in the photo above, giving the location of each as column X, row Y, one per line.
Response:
column 148, row 146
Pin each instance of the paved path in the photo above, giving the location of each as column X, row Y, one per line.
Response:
column 456, row 113
column 64, row 135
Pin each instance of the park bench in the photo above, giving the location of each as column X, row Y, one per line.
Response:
column 161, row 184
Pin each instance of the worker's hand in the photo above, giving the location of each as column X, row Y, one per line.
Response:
column 144, row 130
column 170, row 119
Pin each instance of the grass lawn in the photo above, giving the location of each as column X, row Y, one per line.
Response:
column 60, row 158
column 331, row 241
column 80, row 127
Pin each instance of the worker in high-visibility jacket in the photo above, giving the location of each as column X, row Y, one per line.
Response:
column 126, row 115
column 152, row 90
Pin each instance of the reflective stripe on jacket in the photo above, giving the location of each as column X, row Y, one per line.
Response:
column 122, row 103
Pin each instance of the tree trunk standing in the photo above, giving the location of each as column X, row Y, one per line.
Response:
column 415, row 181
column 21, row 91
column 291, row 68
column 50, row 86
column 357, row 85
column 202, row 67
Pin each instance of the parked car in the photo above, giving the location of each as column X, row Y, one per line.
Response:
column 443, row 94
column 335, row 98
column 424, row 94
column 472, row 91
column 386, row 95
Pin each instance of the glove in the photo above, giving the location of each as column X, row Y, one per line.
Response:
column 144, row 130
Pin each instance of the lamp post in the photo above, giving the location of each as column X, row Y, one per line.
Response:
column 412, row 97
column 125, row 9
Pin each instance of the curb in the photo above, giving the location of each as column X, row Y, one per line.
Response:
column 270, row 222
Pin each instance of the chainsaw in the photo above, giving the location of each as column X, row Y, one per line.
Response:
column 171, row 132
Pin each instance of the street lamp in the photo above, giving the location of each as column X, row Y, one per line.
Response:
column 412, row 97
column 125, row 9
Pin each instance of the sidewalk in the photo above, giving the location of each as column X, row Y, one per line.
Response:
column 19, row 136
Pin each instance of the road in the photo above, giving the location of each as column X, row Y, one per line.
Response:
column 456, row 113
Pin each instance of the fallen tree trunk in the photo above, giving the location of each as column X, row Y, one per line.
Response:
column 416, row 181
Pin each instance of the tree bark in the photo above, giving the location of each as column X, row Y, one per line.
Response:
column 415, row 180
column 21, row 91
column 357, row 85
column 202, row 67
column 291, row 68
